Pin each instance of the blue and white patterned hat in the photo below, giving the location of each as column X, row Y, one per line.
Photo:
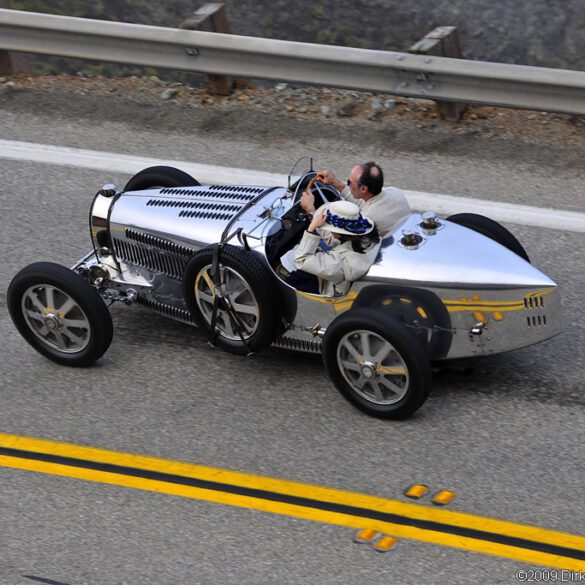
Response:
column 344, row 217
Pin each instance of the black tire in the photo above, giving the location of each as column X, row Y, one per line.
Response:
column 412, row 377
column 421, row 311
column 54, row 333
column 258, row 300
column 161, row 177
column 492, row 229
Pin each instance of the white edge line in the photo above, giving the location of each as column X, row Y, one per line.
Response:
column 443, row 204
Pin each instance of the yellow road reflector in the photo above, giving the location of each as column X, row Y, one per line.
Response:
column 416, row 491
column 366, row 535
column 443, row 498
column 497, row 316
column 385, row 544
column 480, row 317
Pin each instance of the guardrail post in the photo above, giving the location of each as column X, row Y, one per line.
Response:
column 12, row 63
column 212, row 17
column 442, row 41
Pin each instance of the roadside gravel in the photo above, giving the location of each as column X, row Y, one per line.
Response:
column 343, row 107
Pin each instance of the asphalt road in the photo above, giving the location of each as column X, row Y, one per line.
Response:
column 506, row 439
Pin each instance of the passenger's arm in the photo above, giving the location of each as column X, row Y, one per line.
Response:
column 325, row 265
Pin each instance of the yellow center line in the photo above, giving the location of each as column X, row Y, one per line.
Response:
column 269, row 490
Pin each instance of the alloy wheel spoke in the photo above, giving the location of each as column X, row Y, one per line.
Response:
column 34, row 315
column 50, row 291
column 60, row 339
column 352, row 366
column 227, row 323
column 348, row 345
column 34, row 299
column 208, row 281
column 205, row 297
column 67, row 306
column 75, row 338
column 379, row 393
column 77, row 323
column 391, row 370
column 382, row 353
column 394, row 388
column 247, row 309
column 365, row 337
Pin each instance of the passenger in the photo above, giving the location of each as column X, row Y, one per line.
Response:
column 386, row 206
column 356, row 245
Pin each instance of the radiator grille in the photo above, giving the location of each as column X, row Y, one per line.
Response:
column 167, row 310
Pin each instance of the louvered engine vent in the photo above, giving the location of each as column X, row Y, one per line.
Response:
column 167, row 310
column 243, row 194
column 154, row 253
column 532, row 305
column 307, row 345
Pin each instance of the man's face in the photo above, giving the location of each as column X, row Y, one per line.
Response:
column 357, row 191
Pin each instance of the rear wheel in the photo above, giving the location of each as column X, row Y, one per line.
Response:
column 59, row 314
column 376, row 364
column 160, row 177
column 492, row 229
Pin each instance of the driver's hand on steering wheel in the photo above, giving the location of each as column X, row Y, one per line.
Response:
column 326, row 176
column 308, row 202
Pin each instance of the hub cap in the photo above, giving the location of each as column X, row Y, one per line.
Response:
column 372, row 367
column 56, row 318
column 237, row 293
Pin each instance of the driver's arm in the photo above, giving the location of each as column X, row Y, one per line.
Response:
column 308, row 202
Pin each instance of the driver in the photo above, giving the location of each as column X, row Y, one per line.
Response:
column 386, row 206
column 354, row 250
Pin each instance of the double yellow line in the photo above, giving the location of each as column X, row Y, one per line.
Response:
column 319, row 504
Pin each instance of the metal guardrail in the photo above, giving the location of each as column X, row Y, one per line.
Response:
column 420, row 76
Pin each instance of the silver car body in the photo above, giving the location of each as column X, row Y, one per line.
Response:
column 491, row 299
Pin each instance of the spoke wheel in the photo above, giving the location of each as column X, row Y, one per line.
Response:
column 372, row 367
column 60, row 314
column 56, row 318
column 237, row 292
column 249, row 299
column 376, row 364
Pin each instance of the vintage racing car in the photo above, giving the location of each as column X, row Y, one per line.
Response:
column 210, row 255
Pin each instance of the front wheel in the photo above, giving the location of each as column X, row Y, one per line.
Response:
column 376, row 364
column 59, row 314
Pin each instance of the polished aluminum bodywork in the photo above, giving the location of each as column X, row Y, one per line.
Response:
column 490, row 299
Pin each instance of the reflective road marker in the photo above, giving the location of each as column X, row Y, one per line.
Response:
column 319, row 504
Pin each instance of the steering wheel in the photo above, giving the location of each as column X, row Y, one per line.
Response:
column 300, row 214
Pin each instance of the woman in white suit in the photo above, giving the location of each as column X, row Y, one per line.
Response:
column 355, row 243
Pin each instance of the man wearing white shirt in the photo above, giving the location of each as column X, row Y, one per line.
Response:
column 386, row 206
